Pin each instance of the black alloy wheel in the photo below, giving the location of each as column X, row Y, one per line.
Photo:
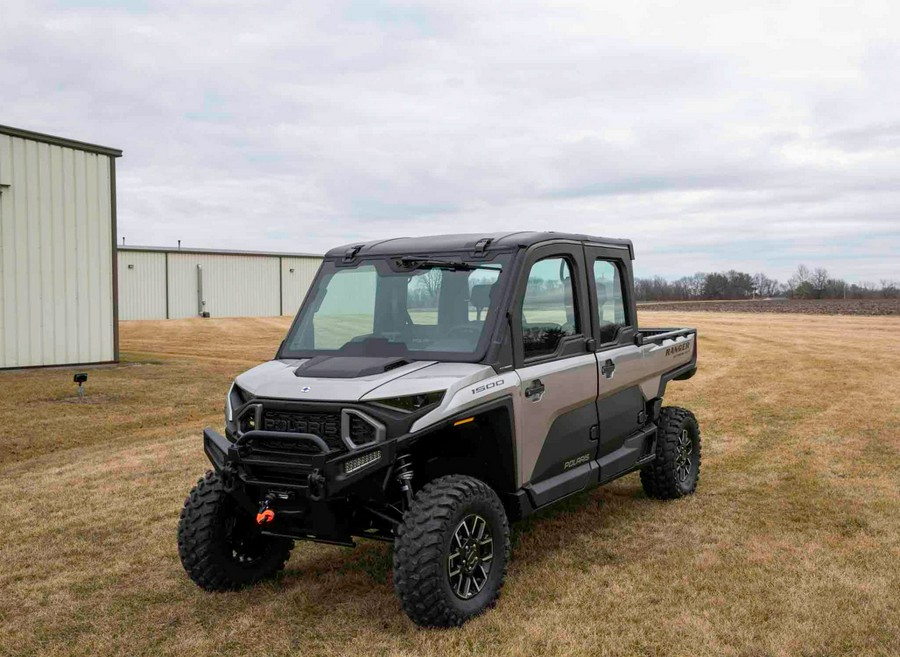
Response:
column 675, row 471
column 471, row 554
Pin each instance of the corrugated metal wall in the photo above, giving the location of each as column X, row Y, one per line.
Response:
column 166, row 284
column 233, row 286
column 296, row 276
column 56, row 264
column 142, row 285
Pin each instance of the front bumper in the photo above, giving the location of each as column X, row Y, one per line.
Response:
column 314, row 473
column 310, row 492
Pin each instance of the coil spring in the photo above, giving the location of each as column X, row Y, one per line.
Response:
column 404, row 474
column 404, row 468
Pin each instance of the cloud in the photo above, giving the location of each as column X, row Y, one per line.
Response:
column 714, row 138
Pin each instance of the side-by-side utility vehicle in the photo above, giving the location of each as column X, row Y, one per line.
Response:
column 429, row 391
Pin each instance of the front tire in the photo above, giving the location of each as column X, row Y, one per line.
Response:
column 220, row 545
column 675, row 471
column 451, row 552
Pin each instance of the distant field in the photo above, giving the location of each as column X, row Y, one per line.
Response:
column 791, row 546
column 803, row 306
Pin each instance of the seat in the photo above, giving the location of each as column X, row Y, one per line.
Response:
column 480, row 297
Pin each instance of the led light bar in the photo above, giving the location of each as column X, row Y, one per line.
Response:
column 359, row 462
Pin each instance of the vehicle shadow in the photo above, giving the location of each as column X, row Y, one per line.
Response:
column 567, row 532
column 578, row 530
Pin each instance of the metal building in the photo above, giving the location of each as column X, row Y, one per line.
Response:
column 167, row 283
column 57, row 251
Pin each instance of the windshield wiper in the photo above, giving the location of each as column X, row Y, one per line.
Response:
column 411, row 262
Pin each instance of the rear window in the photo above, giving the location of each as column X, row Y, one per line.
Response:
column 610, row 300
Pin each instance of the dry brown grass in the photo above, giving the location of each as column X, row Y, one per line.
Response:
column 805, row 306
column 790, row 547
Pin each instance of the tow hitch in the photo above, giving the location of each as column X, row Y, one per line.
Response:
column 265, row 515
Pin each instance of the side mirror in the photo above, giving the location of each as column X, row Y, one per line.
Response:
column 639, row 339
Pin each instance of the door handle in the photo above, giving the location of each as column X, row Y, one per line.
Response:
column 608, row 368
column 535, row 390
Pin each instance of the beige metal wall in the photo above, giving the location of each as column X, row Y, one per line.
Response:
column 56, row 262
column 157, row 284
column 142, row 285
column 233, row 285
column 296, row 276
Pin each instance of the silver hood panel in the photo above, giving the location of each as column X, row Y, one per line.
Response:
column 276, row 380
column 437, row 376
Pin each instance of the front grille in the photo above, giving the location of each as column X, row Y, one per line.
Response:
column 361, row 432
column 326, row 426
column 284, row 448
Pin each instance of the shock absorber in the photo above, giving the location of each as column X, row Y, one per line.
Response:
column 404, row 477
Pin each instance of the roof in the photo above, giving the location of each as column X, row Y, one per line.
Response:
column 60, row 141
column 175, row 249
column 467, row 242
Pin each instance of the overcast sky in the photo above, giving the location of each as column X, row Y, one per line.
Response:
column 715, row 137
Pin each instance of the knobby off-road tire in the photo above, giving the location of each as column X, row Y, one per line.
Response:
column 219, row 543
column 451, row 551
column 675, row 471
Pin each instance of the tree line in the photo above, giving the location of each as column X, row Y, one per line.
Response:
column 805, row 283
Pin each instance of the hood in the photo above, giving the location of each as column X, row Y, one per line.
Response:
column 280, row 379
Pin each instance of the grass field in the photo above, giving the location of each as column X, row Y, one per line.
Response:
column 804, row 306
column 790, row 547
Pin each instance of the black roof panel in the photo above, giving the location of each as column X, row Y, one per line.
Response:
column 467, row 242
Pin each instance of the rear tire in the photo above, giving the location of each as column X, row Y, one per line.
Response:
column 220, row 545
column 675, row 471
column 451, row 552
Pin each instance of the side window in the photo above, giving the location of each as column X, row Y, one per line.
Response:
column 548, row 308
column 610, row 300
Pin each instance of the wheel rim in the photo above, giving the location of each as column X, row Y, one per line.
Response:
column 471, row 554
column 684, row 457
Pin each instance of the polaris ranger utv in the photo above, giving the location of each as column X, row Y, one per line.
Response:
column 429, row 391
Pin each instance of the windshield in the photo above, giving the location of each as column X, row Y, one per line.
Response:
column 406, row 306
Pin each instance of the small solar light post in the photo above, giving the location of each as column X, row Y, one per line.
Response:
column 80, row 378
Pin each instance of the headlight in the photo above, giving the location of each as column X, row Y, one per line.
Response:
column 235, row 399
column 411, row 403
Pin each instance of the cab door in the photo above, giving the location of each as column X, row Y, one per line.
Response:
column 556, row 401
column 621, row 407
